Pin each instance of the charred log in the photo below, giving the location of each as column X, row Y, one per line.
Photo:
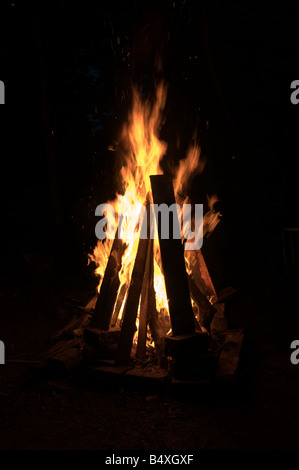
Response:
column 173, row 263
column 132, row 302
column 109, row 288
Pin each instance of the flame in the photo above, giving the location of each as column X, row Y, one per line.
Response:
column 143, row 151
column 100, row 257
column 212, row 217
column 187, row 169
column 142, row 154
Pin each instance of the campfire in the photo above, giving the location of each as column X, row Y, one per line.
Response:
column 155, row 303
column 151, row 288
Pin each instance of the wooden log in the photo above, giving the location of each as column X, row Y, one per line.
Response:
column 156, row 328
column 186, row 346
column 144, row 302
column 201, row 275
column 110, row 285
column 173, row 263
column 119, row 302
column 101, row 338
column 65, row 356
column 100, row 344
column 206, row 310
column 132, row 301
column 219, row 322
column 159, row 322
column 80, row 320
column 205, row 275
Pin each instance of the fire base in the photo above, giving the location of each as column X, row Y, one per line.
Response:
column 196, row 361
column 202, row 361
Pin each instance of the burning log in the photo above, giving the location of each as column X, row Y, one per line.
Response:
column 144, row 303
column 110, row 285
column 156, row 328
column 173, row 263
column 206, row 310
column 132, row 302
column 148, row 311
column 119, row 302
column 205, row 276
column 201, row 275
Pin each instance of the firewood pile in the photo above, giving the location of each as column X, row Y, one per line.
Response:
column 192, row 344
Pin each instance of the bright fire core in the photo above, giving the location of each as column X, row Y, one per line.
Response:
column 142, row 156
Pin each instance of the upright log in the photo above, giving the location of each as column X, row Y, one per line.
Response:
column 144, row 303
column 173, row 263
column 109, row 288
column 132, row 301
column 120, row 299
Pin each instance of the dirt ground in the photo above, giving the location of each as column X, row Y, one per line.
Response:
column 44, row 412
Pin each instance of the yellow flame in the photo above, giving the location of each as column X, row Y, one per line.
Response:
column 143, row 151
column 187, row 169
column 100, row 257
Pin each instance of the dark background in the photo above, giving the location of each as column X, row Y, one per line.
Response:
column 68, row 68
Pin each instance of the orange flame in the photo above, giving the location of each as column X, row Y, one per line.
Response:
column 143, row 151
column 190, row 166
